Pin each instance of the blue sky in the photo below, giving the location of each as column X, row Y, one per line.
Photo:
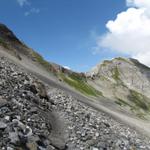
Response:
column 63, row 31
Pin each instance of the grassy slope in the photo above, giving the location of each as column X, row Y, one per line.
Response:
column 138, row 103
column 80, row 84
column 139, row 100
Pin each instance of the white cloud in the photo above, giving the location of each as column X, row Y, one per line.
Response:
column 129, row 33
column 32, row 11
column 23, row 2
column 138, row 3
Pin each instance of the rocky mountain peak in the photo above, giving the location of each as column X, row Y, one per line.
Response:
column 119, row 62
column 107, row 64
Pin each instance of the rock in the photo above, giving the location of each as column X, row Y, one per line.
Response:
column 94, row 148
column 2, row 125
column 10, row 148
column 7, row 118
column 32, row 146
column 14, row 139
column 106, row 124
column 50, row 147
column 28, row 131
column 39, row 87
column 42, row 148
column 33, row 88
column 58, row 143
column 34, row 110
column 3, row 102
column 97, row 134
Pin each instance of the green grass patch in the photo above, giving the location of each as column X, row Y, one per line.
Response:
column 115, row 73
column 40, row 59
column 77, row 77
column 140, row 114
column 80, row 84
column 139, row 100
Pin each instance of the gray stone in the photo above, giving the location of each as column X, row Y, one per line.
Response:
column 13, row 136
column 2, row 125
column 10, row 148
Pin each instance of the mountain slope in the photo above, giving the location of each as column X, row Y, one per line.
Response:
column 104, row 88
column 125, row 81
column 24, row 54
